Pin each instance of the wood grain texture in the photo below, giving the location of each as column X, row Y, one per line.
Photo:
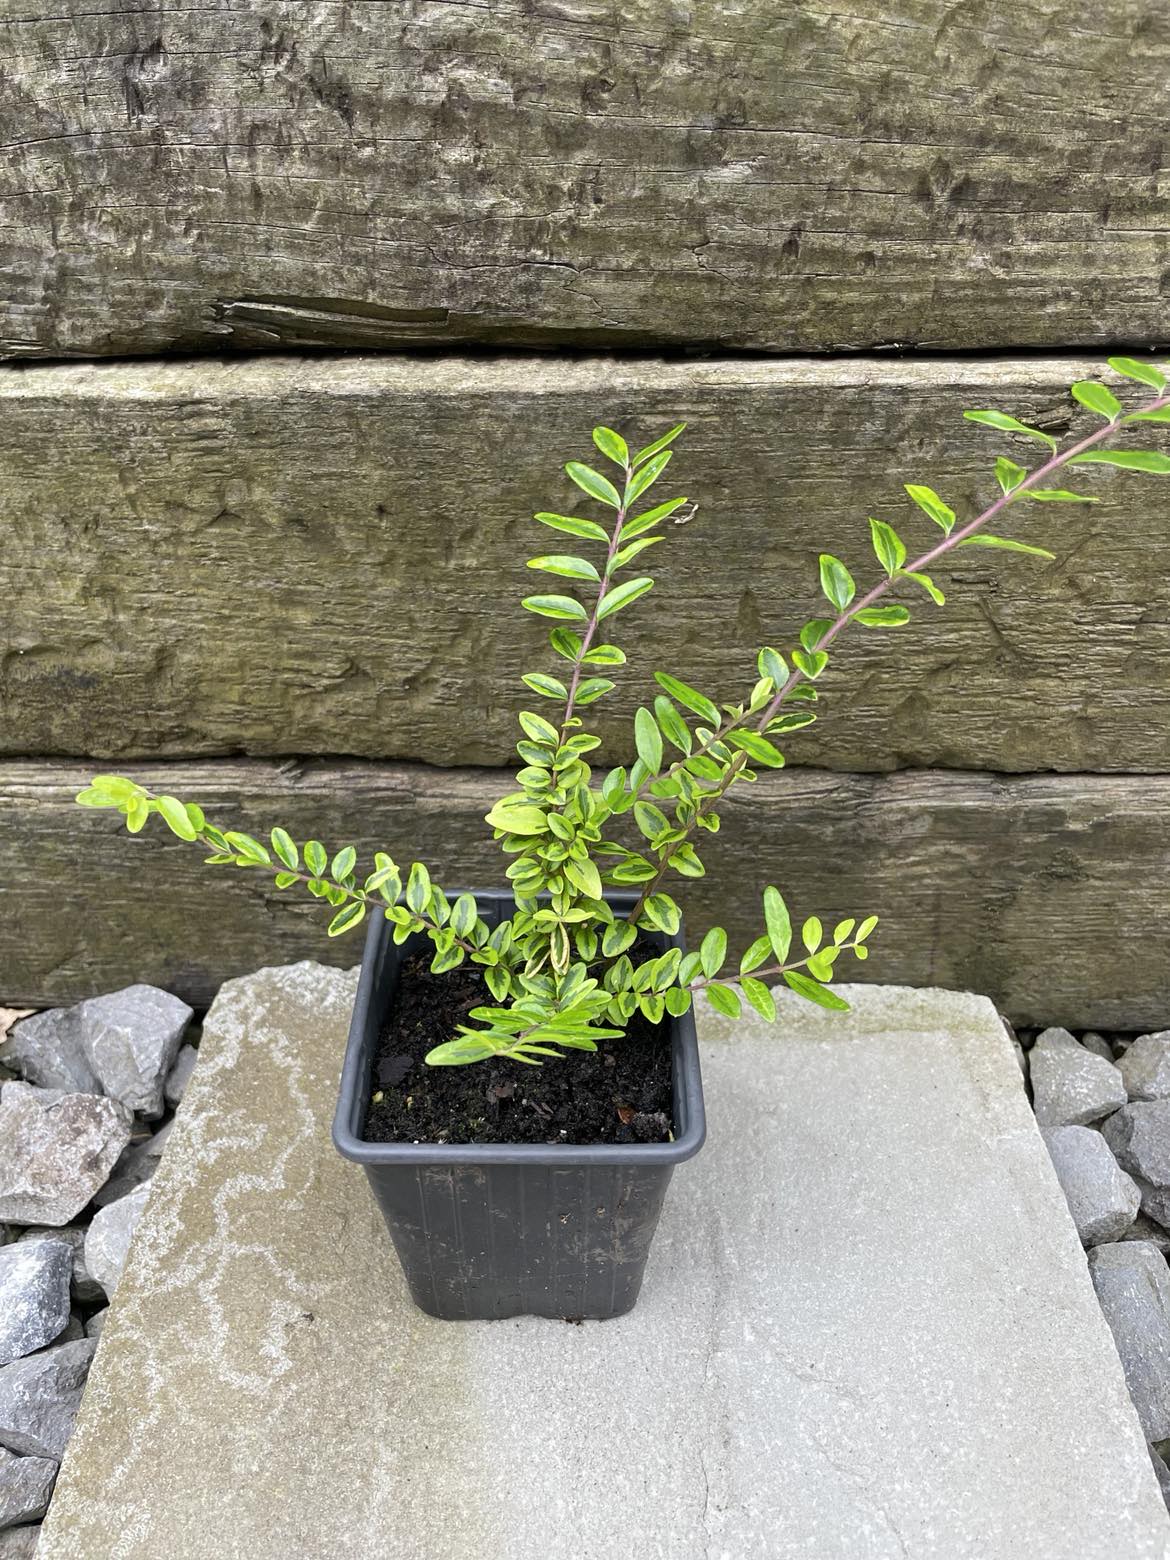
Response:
column 787, row 177
column 1046, row 893
column 322, row 556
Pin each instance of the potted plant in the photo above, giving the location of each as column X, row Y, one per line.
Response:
column 522, row 1073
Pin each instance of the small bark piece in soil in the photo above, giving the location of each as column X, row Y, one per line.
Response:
column 621, row 1093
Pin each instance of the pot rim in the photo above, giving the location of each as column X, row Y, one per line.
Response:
column 687, row 1087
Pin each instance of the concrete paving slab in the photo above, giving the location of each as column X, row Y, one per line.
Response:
column 867, row 1330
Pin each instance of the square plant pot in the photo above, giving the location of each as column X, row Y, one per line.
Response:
column 496, row 1230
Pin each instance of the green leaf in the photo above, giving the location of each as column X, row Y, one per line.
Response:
column 175, row 816
column 866, row 928
column 464, row 915
column 674, row 728
column 137, row 812
column 1059, row 496
column 811, row 933
column 1097, row 398
column 651, row 517
column 593, row 483
column 777, row 921
column 628, row 554
column 550, row 687
column 282, row 879
column 463, row 1051
column 285, row 849
column 926, row 582
column 760, row 997
column 931, row 504
column 662, row 913
column 982, row 539
column 882, row 617
column 713, row 951
column 585, row 876
column 1008, row 474
column 418, row 888
column 343, row 864
column 836, row 581
column 316, row 857
column 805, row 986
column 622, row 595
column 245, row 845
column 1128, row 460
column 1010, row 425
column 116, row 787
column 755, row 955
column 813, row 632
column 347, row 917
column 648, row 740
column 757, row 748
column 617, row 937
column 677, row 1001
column 92, row 797
column 572, row 526
column 689, row 697
column 612, row 445
column 888, row 545
column 568, row 567
column 1144, row 373
column 555, row 607
column 604, row 655
column 517, row 818
column 812, row 662
column 565, row 643
column 659, row 444
column 1160, row 415
column 724, row 1000
column 592, row 688
column 770, row 663
column 539, row 729
column 684, row 860
column 646, row 475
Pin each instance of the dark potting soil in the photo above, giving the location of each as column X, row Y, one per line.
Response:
column 621, row 1093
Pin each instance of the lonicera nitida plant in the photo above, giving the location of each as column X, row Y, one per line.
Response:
column 562, row 971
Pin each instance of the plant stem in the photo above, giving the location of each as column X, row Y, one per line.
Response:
column 1053, row 464
column 591, row 626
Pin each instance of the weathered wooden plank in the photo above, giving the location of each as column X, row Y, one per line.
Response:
column 795, row 176
column 1047, row 892
column 326, row 556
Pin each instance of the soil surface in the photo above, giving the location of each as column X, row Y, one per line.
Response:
column 619, row 1094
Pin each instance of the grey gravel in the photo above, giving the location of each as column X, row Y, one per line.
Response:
column 109, row 1237
column 136, row 1166
column 56, row 1150
column 26, row 1483
column 1163, row 1475
column 1139, row 1136
column 1133, row 1286
column 48, row 1049
column 39, row 1398
column 34, row 1296
column 19, row 1543
column 131, row 1039
column 1144, row 1228
column 1071, row 1086
column 1155, row 1202
column 180, row 1073
column 1097, row 1044
column 1145, row 1067
column 82, row 1286
column 1102, row 1199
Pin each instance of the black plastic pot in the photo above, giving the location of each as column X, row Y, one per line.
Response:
column 495, row 1230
